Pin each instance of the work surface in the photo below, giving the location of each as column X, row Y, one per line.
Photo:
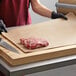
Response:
column 61, row 35
column 41, row 66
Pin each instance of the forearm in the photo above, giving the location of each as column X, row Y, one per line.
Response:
column 40, row 9
column 44, row 11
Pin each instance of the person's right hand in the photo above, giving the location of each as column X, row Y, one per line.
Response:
column 58, row 15
column 2, row 27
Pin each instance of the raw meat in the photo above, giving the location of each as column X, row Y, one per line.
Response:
column 33, row 43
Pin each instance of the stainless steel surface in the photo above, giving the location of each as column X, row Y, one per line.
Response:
column 7, row 46
column 64, row 5
column 37, row 67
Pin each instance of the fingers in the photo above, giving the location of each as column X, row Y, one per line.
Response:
column 2, row 26
column 58, row 15
column 63, row 16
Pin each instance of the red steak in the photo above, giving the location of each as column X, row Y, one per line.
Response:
column 33, row 43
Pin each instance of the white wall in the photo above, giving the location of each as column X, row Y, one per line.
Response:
column 49, row 4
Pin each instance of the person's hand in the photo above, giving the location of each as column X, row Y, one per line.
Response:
column 2, row 27
column 58, row 15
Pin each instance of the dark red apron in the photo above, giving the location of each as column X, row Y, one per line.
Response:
column 15, row 12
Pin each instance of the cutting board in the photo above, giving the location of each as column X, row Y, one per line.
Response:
column 67, row 10
column 57, row 32
column 60, row 34
column 7, row 54
column 68, row 1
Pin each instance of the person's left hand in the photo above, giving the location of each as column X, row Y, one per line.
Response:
column 58, row 15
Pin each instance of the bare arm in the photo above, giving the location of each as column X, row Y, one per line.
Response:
column 40, row 9
column 44, row 11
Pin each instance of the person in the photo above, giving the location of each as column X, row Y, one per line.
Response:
column 16, row 12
